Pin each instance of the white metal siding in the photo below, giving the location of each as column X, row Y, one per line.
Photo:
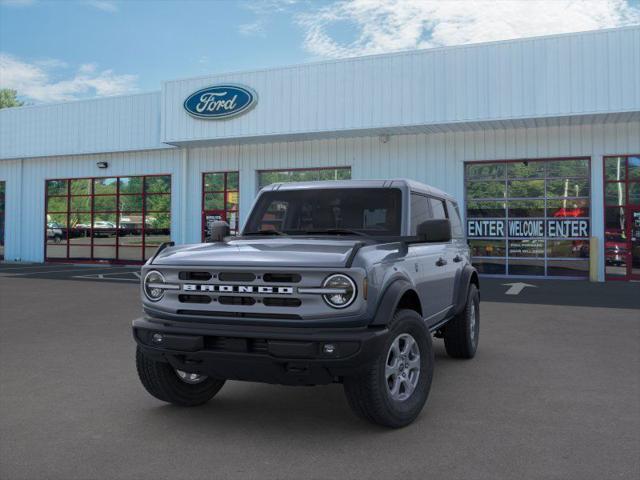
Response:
column 547, row 77
column 91, row 126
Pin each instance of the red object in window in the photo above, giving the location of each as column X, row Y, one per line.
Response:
column 570, row 212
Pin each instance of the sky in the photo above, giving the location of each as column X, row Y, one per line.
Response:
column 59, row 50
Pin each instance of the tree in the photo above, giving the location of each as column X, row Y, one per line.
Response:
column 8, row 98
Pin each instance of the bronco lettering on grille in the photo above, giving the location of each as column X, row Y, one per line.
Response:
column 194, row 287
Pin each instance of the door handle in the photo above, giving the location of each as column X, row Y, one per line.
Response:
column 441, row 262
column 457, row 258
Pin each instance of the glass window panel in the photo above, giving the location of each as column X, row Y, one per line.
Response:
column 57, row 204
column 489, row 266
column 104, row 221
column 437, row 209
column 614, row 220
column 343, row 173
column 160, row 184
column 233, row 181
column 129, row 253
column 149, row 252
column 567, row 208
column 614, row 193
column 130, row 221
column 485, row 171
column 519, row 266
column 214, row 201
column 568, row 268
column 56, row 233
column 420, row 211
column 80, row 204
column 81, row 186
column 525, row 169
column 158, row 203
column 274, row 176
column 213, row 182
column 104, row 252
column 456, row 222
column 105, row 185
column 487, row 248
column 476, row 209
column 568, row 188
column 568, row 168
column 104, row 236
column 158, row 221
column 634, row 193
column 56, row 187
column 59, row 219
column 232, row 220
column 130, row 238
column 56, row 250
column 488, row 189
column 615, row 168
column 525, row 188
column 232, row 200
column 633, row 168
column 80, row 220
column 80, row 252
column 526, row 208
column 568, row 248
column 130, row 203
column 157, row 236
column 526, row 248
column 131, row 184
column 105, row 203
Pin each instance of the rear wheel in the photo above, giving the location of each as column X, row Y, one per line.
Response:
column 395, row 386
column 461, row 334
column 175, row 386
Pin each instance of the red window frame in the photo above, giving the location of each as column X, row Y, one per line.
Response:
column 92, row 213
column 225, row 210
column 628, row 209
column 3, row 207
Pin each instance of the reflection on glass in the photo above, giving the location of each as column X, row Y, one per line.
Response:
column 567, row 208
column 130, row 237
column 80, row 204
column 106, row 203
column 634, row 193
column 105, row 185
column 130, row 185
column 56, row 250
column 526, row 208
column 485, row 171
column 568, row 188
column 526, row 169
column 568, row 268
column 487, row 248
column 104, row 252
column 158, row 203
column 156, row 236
column 489, row 189
column 493, row 266
column 158, row 221
column 525, row 267
column 568, row 248
column 614, row 168
column 633, row 168
column 568, row 168
column 268, row 177
column 56, row 233
column 161, row 184
column 214, row 182
column 56, row 187
column 131, row 203
column 59, row 219
column 128, row 253
column 526, row 248
column 614, row 193
column 81, row 187
column 57, row 204
column 102, row 236
column 233, row 181
column 214, row 201
column 614, row 219
column 79, row 252
column 525, row 188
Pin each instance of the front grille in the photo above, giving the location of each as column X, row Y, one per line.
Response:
column 195, row 276
column 282, row 302
column 281, row 277
column 194, row 299
column 222, row 314
column 236, row 277
column 236, row 300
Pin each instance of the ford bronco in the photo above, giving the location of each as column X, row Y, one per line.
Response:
column 340, row 281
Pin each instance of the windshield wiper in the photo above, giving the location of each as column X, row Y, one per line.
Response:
column 265, row 232
column 335, row 231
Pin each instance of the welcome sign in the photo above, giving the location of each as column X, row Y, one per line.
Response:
column 529, row 228
column 219, row 102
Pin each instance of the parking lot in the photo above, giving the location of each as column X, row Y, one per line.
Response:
column 553, row 393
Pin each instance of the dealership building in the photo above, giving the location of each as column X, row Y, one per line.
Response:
column 538, row 139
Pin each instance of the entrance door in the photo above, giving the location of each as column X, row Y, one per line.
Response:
column 634, row 243
column 220, row 191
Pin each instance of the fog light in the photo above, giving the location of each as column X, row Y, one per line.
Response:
column 329, row 348
column 157, row 338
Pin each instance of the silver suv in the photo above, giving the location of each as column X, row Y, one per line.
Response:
column 341, row 281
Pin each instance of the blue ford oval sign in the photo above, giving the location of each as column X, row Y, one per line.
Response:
column 220, row 101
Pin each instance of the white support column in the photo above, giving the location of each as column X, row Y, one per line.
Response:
column 184, row 195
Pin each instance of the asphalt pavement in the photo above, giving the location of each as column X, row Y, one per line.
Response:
column 553, row 393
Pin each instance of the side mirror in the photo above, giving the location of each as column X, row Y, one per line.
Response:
column 218, row 231
column 434, row 231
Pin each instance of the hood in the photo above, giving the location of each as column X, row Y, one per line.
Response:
column 272, row 252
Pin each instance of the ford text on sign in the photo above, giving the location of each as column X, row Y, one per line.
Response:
column 220, row 101
column 534, row 228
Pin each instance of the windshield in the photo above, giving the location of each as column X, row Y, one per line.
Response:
column 357, row 211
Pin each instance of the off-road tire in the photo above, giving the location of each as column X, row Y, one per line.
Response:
column 368, row 394
column 458, row 339
column 161, row 381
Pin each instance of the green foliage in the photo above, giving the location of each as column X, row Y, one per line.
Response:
column 8, row 98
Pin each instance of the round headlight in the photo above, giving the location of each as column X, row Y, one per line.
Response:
column 150, row 285
column 345, row 291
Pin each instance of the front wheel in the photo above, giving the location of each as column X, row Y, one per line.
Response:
column 395, row 386
column 461, row 334
column 175, row 386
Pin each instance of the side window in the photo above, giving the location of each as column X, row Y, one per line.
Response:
column 420, row 211
column 437, row 207
column 454, row 217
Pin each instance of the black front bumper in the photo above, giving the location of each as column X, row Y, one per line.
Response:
column 289, row 356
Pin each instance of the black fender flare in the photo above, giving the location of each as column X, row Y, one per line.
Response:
column 467, row 276
column 390, row 300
